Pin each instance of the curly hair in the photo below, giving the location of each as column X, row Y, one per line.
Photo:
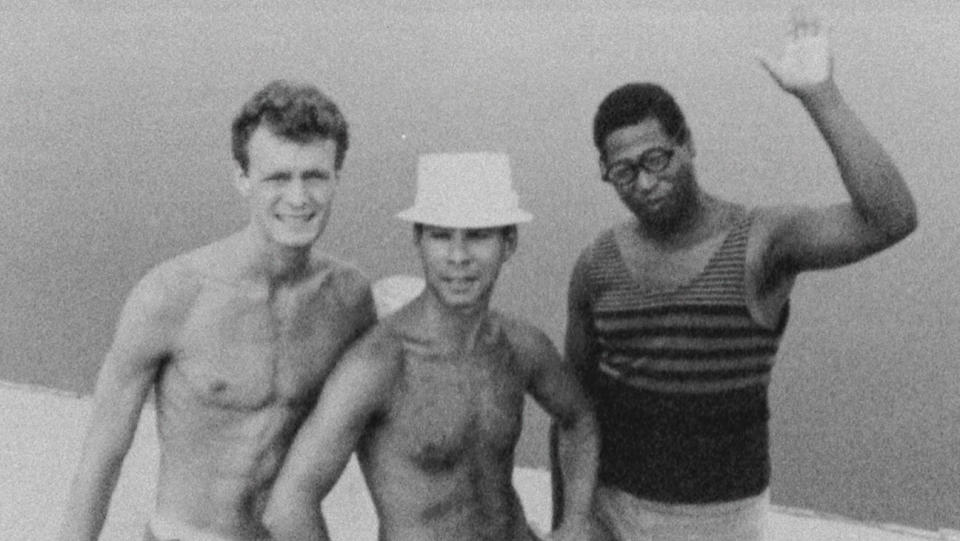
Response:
column 296, row 111
column 633, row 103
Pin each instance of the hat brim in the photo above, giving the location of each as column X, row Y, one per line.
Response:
column 466, row 219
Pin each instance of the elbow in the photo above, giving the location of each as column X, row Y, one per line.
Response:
column 271, row 518
column 892, row 222
column 902, row 216
column 290, row 511
column 283, row 521
column 901, row 228
column 583, row 423
column 272, row 522
column 910, row 221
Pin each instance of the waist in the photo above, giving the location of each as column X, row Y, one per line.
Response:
column 164, row 528
column 628, row 517
column 721, row 412
column 682, row 448
column 229, row 507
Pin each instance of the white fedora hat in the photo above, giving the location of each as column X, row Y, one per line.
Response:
column 467, row 190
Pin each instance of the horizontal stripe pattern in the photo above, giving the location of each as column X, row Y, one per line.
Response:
column 728, row 381
column 681, row 386
column 696, row 338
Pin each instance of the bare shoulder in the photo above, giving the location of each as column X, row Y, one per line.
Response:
column 379, row 350
column 152, row 316
column 166, row 290
column 770, row 223
column 586, row 254
column 770, row 277
column 768, row 219
column 531, row 344
column 349, row 281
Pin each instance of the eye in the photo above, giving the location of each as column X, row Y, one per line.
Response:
column 656, row 159
column 481, row 234
column 318, row 175
column 621, row 170
column 276, row 177
column 438, row 234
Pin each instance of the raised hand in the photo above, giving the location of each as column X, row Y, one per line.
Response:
column 806, row 62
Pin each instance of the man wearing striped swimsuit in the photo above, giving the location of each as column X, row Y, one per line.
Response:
column 675, row 316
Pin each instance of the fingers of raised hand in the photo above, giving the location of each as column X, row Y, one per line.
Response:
column 804, row 22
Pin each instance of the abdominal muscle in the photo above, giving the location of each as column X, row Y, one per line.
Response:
column 470, row 503
column 218, row 458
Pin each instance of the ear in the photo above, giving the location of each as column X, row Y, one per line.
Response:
column 241, row 181
column 509, row 243
column 601, row 163
column 690, row 147
column 417, row 231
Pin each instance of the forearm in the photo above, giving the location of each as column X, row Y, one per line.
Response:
column 577, row 457
column 877, row 190
column 294, row 511
column 296, row 519
column 90, row 494
column 106, row 444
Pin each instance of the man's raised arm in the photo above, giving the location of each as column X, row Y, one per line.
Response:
column 881, row 210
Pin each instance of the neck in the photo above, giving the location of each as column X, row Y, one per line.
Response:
column 457, row 328
column 687, row 223
column 276, row 263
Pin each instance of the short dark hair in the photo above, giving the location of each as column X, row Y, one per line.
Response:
column 296, row 111
column 505, row 230
column 633, row 103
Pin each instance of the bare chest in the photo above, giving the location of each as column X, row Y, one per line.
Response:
column 243, row 350
column 461, row 411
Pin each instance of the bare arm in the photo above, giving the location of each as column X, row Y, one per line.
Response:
column 881, row 210
column 554, row 386
column 351, row 397
column 577, row 355
column 128, row 372
column 578, row 341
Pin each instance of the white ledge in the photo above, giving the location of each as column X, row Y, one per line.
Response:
column 42, row 432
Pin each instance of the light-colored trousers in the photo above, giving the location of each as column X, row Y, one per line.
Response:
column 628, row 518
column 164, row 529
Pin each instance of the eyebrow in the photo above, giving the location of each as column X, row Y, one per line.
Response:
column 274, row 175
column 320, row 173
column 638, row 157
column 309, row 173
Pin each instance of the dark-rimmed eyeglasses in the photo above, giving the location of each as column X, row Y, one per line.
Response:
column 623, row 173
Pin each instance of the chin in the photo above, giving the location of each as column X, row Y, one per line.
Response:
column 462, row 300
column 296, row 241
column 459, row 302
column 301, row 238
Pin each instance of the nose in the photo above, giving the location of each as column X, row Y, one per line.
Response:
column 296, row 192
column 457, row 251
column 646, row 181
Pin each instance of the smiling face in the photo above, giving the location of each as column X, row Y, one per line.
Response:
column 461, row 265
column 289, row 186
column 661, row 199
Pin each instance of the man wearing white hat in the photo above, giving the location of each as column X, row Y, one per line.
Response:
column 433, row 396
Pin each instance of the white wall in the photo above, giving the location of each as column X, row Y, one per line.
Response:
column 114, row 155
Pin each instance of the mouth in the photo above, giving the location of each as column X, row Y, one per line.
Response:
column 654, row 203
column 296, row 217
column 459, row 283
